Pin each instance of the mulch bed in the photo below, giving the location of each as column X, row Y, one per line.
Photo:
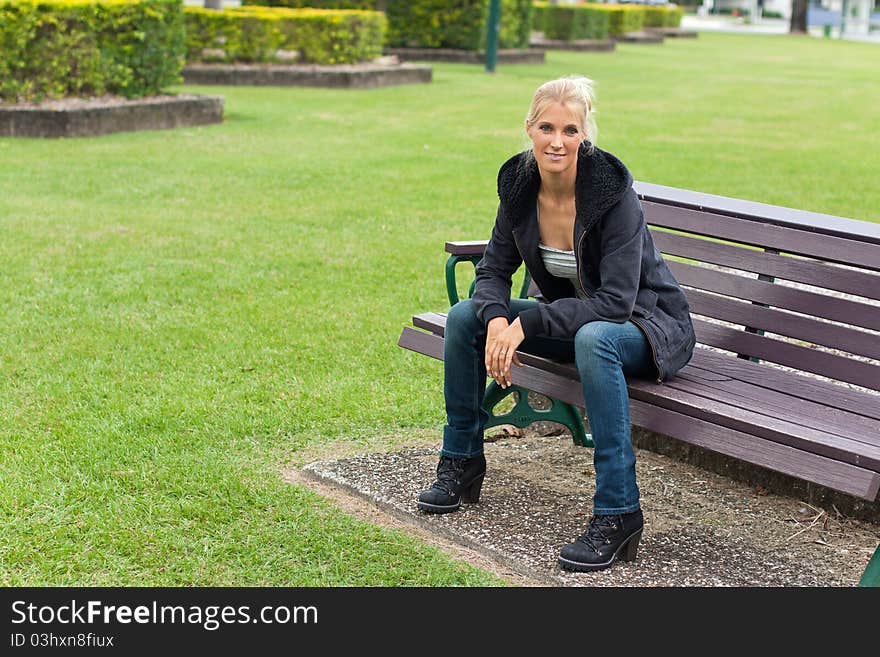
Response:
column 529, row 56
column 348, row 76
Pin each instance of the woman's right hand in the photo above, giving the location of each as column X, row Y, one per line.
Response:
column 501, row 344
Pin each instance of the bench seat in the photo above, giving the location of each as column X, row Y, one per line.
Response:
column 740, row 409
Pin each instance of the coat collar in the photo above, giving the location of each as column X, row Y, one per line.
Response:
column 601, row 182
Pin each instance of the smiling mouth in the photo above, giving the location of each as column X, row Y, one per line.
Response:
column 555, row 156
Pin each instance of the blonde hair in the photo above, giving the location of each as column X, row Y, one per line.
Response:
column 576, row 93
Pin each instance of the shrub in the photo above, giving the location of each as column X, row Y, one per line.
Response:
column 655, row 15
column 320, row 4
column 568, row 22
column 462, row 24
column 438, row 23
column 57, row 48
column 625, row 18
column 255, row 34
column 673, row 16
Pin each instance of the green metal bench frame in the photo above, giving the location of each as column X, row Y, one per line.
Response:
column 522, row 414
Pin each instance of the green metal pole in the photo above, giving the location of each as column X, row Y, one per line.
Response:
column 492, row 35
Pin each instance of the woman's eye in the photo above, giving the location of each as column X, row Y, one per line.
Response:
column 545, row 128
column 571, row 131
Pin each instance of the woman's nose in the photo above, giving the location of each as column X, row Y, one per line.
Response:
column 556, row 142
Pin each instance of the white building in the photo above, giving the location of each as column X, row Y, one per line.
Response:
column 858, row 19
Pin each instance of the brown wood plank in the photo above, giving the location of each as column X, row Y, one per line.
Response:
column 787, row 324
column 792, row 355
column 755, row 233
column 699, row 401
column 770, row 428
column 773, row 403
column 472, row 247
column 725, row 366
column 802, row 301
column 781, row 458
column 429, row 344
column 811, row 272
column 790, row 383
column 844, row 477
column 434, row 322
column 824, row 224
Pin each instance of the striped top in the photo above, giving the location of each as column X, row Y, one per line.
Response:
column 562, row 264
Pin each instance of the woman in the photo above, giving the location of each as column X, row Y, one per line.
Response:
column 609, row 303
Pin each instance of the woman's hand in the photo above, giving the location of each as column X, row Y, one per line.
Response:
column 502, row 340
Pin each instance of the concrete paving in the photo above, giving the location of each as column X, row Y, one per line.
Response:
column 702, row 529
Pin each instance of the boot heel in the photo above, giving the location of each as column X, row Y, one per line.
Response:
column 471, row 494
column 631, row 547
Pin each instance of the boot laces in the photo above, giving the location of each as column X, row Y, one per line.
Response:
column 599, row 531
column 448, row 472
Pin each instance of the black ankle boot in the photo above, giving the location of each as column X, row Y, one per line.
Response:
column 458, row 480
column 607, row 538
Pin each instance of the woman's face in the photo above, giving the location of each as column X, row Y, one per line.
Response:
column 556, row 136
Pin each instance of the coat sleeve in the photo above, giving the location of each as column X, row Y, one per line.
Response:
column 621, row 232
column 494, row 273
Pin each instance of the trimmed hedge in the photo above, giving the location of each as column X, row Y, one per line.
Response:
column 655, row 16
column 56, row 48
column 663, row 16
column 370, row 5
column 462, row 24
column 256, row 34
column 571, row 22
column 438, row 23
column 625, row 18
column 674, row 14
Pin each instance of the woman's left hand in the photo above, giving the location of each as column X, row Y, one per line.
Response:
column 501, row 352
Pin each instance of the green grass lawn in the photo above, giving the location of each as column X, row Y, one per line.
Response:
column 186, row 313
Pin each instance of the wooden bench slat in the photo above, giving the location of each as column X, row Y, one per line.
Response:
column 684, row 397
column 810, row 272
column 787, row 324
column 797, row 385
column 802, row 301
column 781, row 458
column 696, row 404
column 471, row 247
column 791, row 355
column 785, row 240
column 745, row 447
column 679, row 396
column 771, row 402
column 815, row 222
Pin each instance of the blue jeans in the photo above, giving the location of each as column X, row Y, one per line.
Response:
column 604, row 352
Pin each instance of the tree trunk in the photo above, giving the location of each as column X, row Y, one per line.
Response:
column 213, row 4
column 798, row 17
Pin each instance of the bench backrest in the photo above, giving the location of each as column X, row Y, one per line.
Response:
column 750, row 269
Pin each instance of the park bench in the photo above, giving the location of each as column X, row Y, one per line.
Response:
column 786, row 372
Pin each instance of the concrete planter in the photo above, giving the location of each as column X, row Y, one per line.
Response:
column 530, row 56
column 674, row 32
column 640, row 37
column 92, row 117
column 353, row 76
column 578, row 45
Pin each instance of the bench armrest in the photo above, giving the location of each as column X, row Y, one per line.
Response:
column 471, row 248
column 472, row 252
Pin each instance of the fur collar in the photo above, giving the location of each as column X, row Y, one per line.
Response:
column 601, row 182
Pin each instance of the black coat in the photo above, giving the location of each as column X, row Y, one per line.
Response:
column 618, row 265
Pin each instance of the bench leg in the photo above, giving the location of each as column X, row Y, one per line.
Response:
column 871, row 576
column 522, row 414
